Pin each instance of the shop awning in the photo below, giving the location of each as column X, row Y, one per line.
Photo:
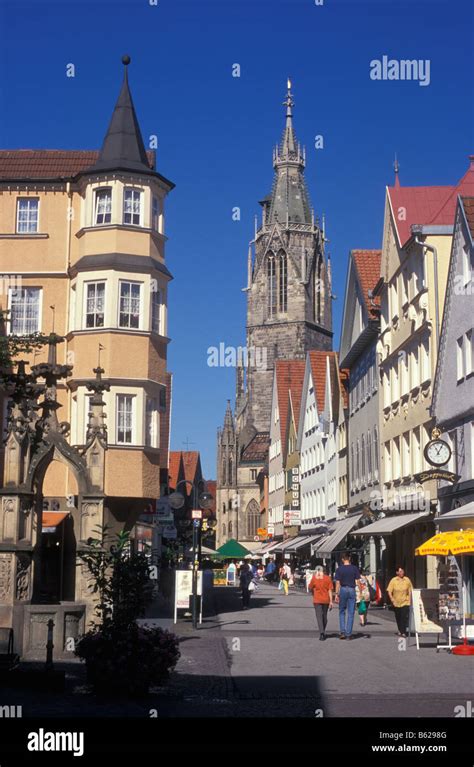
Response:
column 389, row 525
column 302, row 540
column 270, row 547
column 51, row 520
column 461, row 518
column 341, row 528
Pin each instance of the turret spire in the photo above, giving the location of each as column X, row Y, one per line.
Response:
column 123, row 147
column 289, row 199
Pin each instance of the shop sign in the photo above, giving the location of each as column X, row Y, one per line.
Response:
column 448, row 476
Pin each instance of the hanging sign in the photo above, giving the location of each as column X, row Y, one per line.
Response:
column 425, row 476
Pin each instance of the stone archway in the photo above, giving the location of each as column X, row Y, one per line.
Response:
column 35, row 439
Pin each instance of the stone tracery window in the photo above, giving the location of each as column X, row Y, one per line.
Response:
column 252, row 518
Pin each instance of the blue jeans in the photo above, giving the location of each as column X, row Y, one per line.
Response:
column 347, row 601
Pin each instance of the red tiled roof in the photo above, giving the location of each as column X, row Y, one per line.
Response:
column 49, row 163
column 289, row 378
column 318, row 372
column 468, row 205
column 367, row 263
column 192, row 464
column 257, row 449
column 428, row 204
column 175, row 468
column 211, row 486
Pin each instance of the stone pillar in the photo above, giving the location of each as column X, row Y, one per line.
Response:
column 92, row 518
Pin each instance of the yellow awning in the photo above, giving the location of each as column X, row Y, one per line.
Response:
column 443, row 544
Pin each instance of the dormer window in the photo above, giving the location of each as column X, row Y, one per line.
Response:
column 103, row 206
column 132, row 207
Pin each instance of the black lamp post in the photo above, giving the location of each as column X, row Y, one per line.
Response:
column 200, row 501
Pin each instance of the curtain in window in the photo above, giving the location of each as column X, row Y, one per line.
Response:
column 24, row 308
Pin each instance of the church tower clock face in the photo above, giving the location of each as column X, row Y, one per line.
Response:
column 437, row 452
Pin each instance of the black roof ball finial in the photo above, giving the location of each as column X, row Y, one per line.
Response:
column 126, row 60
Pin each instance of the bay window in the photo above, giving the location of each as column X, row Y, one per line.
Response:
column 132, row 207
column 129, row 304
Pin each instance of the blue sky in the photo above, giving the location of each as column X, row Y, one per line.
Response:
column 216, row 132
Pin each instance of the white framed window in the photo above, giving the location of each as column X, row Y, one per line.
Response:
column 415, row 369
column 460, row 368
column 125, row 423
column 129, row 304
column 27, row 215
column 416, row 450
column 25, row 311
column 95, row 304
column 132, row 206
column 471, row 441
column 152, row 423
column 469, row 352
column 376, row 453
column 103, row 206
column 425, row 361
column 155, row 213
column 156, row 311
column 396, row 458
column 406, row 465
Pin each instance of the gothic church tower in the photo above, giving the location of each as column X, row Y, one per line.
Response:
column 289, row 282
column 288, row 313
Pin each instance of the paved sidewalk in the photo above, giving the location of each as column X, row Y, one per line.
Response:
column 275, row 654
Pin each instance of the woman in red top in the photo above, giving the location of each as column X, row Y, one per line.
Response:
column 321, row 585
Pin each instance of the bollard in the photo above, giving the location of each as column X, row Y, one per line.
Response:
column 49, row 646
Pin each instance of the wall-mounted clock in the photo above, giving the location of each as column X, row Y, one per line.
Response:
column 437, row 452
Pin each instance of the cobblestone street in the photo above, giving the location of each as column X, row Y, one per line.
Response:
column 267, row 661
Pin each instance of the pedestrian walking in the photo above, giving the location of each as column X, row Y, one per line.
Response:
column 283, row 585
column 246, row 578
column 322, row 587
column 270, row 571
column 363, row 598
column 347, row 578
column 289, row 573
column 399, row 591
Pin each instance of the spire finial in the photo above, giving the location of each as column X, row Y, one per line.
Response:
column 126, row 60
column 396, row 168
column 288, row 102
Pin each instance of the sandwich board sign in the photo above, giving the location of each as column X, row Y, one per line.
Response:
column 184, row 589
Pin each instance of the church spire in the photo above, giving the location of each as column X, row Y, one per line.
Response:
column 123, row 147
column 289, row 200
column 228, row 419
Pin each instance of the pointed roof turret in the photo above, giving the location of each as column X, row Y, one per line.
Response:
column 289, row 200
column 228, row 418
column 123, row 147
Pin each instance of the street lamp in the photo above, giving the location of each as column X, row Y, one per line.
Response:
column 201, row 500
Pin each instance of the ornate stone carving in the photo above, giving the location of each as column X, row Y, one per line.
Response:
column 23, row 577
column 6, row 559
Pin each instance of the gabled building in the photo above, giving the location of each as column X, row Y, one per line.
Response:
column 417, row 238
column 287, row 385
column 317, row 434
column 453, row 394
column 360, row 329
